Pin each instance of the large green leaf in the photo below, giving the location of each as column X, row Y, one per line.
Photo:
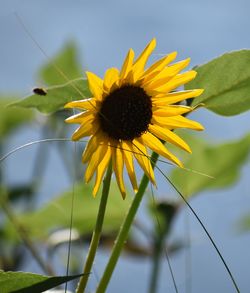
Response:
column 226, row 81
column 12, row 118
column 64, row 63
column 222, row 162
column 56, row 97
column 56, row 214
column 22, row 282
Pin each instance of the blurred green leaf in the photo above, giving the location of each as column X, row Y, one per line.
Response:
column 56, row 97
column 22, row 282
column 21, row 191
column 67, row 62
column 226, row 81
column 223, row 162
column 244, row 223
column 162, row 214
column 56, row 214
column 11, row 118
column 63, row 87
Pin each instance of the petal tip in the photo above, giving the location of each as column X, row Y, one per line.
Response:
column 87, row 178
column 199, row 127
column 94, row 193
column 193, row 73
column 153, row 42
column 74, row 137
column 179, row 164
column 188, row 61
column 68, row 105
column 200, row 91
column 174, row 54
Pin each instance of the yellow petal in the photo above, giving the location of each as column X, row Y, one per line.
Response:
column 175, row 97
column 169, row 136
column 167, row 73
column 175, row 68
column 141, row 155
column 117, row 161
column 155, row 145
column 172, row 110
column 86, row 129
column 176, row 81
column 128, row 159
column 140, row 62
column 86, row 104
column 110, row 78
column 101, row 170
column 177, row 122
column 94, row 161
column 80, row 117
column 127, row 65
column 95, row 85
column 92, row 145
column 158, row 66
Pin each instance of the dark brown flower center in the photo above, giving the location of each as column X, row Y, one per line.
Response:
column 126, row 112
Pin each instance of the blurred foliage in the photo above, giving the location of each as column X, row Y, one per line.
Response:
column 162, row 214
column 12, row 117
column 56, row 214
column 244, row 223
column 21, row 282
column 63, row 67
column 226, row 83
column 221, row 162
column 63, row 75
column 20, row 191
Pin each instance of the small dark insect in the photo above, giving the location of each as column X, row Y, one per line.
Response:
column 40, row 91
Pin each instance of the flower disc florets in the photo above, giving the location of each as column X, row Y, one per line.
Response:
column 126, row 113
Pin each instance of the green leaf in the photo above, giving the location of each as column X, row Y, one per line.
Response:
column 20, row 191
column 22, row 282
column 56, row 214
column 244, row 223
column 162, row 213
column 67, row 63
column 222, row 162
column 12, row 118
column 226, row 81
column 56, row 97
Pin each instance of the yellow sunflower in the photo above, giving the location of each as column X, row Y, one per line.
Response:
column 131, row 111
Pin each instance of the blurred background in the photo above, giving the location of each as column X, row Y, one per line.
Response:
column 103, row 32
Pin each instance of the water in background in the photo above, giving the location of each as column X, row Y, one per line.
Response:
column 104, row 30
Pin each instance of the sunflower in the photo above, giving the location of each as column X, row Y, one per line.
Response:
column 132, row 110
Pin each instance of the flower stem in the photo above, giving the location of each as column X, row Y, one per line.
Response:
column 97, row 232
column 124, row 230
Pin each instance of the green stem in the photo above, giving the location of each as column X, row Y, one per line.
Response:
column 124, row 230
column 97, row 232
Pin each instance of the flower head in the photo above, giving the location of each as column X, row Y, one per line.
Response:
column 131, row 111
